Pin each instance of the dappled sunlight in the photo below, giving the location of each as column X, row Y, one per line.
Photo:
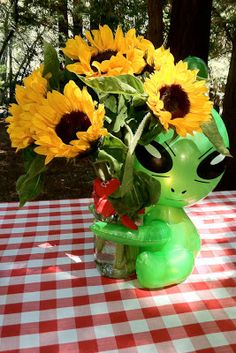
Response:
column 45, row 245
column 74, row 258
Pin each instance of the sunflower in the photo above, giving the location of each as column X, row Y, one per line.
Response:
column 28, row 96
column 156, row 58
column 177, row 99
column 67, row 124
column 105, row 54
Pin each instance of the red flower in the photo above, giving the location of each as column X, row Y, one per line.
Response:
column 128, row 222
column 102, row 189
column 103, row 206
column 105, row 188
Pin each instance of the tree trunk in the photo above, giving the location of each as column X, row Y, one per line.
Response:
column 62, row 21
column 77, row 18
column 155, row 22
column 190, row 28
column 228, row 181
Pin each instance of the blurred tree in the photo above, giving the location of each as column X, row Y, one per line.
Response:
column 229, row 116
column 229, row 106
column 127, row 13
column 62, row 15
column 10, row 24
column 103, row 12
column 77, row 10
column 21, row 37
column 190, row 28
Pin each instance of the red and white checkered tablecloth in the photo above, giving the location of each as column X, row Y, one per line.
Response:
column 53, row 299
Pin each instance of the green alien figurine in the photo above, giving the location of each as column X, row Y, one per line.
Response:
column 188, row 169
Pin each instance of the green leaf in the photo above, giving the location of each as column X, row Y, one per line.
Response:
column 145, row 191
column 127, row 179
column 139, row 101
column 210, row 130
column 139, row 132
column 150, row 132
column 114, row 165
column 124, row 84
column 113, row 142
column 30, row 184
column 51, row 65
column 110, row 103
column 28, row 156
column 122, row 114
column 152, row 186
column 113, row 151
column 132, row 81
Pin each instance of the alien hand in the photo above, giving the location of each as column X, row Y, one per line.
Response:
column 156, row 233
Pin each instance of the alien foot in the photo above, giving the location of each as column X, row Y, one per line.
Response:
column 161, row 269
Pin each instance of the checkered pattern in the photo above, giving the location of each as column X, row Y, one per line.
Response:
column 53, row 300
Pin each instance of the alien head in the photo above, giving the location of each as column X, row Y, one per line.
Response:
column 188, row 168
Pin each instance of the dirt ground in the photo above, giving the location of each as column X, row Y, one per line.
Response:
column 63, row 180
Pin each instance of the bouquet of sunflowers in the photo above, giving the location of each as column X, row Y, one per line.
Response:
column 109, row 93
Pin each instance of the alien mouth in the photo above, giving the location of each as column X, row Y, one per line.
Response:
column 173, row 199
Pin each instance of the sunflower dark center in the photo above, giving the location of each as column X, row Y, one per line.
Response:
column 100, row 57
column 175, row 100
column 70, row 124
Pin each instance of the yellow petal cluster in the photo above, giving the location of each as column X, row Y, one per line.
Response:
column 156, row 58
column 105, row 54
column 28, row 96
column 199, row 110
column 51, row 112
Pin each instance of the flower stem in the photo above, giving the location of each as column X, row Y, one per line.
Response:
column 127, row 180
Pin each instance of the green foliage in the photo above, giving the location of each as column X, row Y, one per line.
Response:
column 144, row 192
column 223, row 26
column 119, row 12
column 137, row 188
column 124, row 84
column 121, row 114
column 113, row 152
column 51, row 65
column 30, row 184
column 2, row 73
column 152, row 129
column 127, row 178
column 211, row 131
column 117, row 93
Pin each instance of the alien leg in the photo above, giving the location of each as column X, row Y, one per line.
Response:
column 163, row 268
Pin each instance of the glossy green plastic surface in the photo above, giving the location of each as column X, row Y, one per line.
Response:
column 168, row 240
column 195, row 63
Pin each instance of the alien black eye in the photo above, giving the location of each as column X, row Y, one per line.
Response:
column 212, row 166
column 154, row 157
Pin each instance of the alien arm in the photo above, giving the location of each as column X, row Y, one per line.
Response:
column 156, row 233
